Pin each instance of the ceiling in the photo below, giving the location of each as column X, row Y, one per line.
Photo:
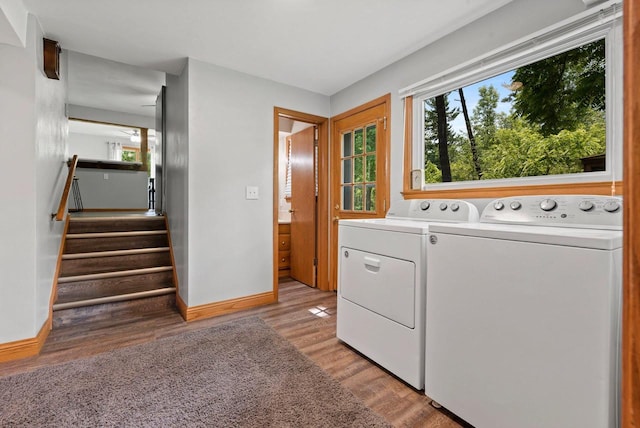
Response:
column 104, row 84
column 105, row 130
column 319, row 45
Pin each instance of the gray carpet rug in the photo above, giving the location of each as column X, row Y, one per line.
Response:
column 239, row 374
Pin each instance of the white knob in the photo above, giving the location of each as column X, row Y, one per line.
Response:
column 586, row 205
column 424, row 205
column 611, row 206
column 515, row 205
column 455, row 207
column 443, row 206
column 548, row 205
column 498, row 206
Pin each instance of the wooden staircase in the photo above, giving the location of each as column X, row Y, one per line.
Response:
column 114, row 266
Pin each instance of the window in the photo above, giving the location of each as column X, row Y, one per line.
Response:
column 542, row 110
column 133, row 154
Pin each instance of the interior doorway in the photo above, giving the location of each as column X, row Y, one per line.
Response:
column 300, row 200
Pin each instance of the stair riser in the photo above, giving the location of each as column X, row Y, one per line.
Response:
column 117, row 225
column 112, row 310
column 82, row 290
column 74, row 246
column 114, row 263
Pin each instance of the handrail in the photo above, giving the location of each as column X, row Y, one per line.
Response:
column 59, row 216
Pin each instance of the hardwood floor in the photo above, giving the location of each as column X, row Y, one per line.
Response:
column 292, row 318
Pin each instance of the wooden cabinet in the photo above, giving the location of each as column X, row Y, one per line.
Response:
column 284, row 249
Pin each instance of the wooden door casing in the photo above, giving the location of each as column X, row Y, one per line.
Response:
column 303, row 206
column 376, row 111
column 631, row 246
column 322, row 217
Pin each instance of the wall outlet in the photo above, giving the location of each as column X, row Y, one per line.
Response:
column 106, row 176
column 251, row 192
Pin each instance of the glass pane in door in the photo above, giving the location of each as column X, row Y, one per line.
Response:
column 370, row 198
column 371, row 138
column 347, row 175
column 346, row 145
column 371, row 168
column 358, row 135
column 358, row 198
column 358, row 173
column 347, row 198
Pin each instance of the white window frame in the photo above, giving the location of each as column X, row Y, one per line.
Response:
column 603, row 21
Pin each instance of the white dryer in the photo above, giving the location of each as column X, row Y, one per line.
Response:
column 523, row 314
column 381, row 282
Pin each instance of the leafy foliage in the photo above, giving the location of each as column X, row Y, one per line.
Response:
column 556, row 92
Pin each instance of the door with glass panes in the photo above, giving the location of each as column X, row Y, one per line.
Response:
column 359, row 168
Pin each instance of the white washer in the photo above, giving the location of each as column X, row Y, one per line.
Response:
column 381, row 282
column 523, row 314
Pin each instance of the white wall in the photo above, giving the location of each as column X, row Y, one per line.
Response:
column 112, row 188
column 51, row 172
column 513, row 21
column 13, row 23
column 93, row 146
column 17, row 228
column 110, row 116
column 176, row 169
column 33, row 144
column 229, row 237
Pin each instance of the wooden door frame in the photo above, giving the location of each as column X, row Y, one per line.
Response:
column 322, row 221
column 383, row 100
column 631, row 244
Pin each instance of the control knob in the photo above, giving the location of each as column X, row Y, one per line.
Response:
column 548, row 205
column 455, row 207
column 424, row 205
column 515, row 205
column 443, row 206
column 611, row 206
column 498, row 206
column 586, row 205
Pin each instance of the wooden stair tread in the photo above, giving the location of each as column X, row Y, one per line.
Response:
column 115, row 224
column 112, row 243
column 114, row 263
column 141, row 217
column 114, row 298
column 134, row 233
column 113, row 274
column 113, row 312
column 78, row 294
column 114, row 253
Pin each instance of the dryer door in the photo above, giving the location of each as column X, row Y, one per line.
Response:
column 381, row 284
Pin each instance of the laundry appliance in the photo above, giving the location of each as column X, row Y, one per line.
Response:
column 523, row 313
column 382, row 280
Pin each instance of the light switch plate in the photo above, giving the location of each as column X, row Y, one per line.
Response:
column 251, row 192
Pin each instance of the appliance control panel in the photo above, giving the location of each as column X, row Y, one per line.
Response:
column 434, row 210
column 580, row 211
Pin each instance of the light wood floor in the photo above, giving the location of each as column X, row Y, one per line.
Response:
column 314, row 336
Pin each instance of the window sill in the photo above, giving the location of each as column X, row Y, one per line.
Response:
column 590, row 188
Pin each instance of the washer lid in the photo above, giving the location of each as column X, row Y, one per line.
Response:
column 569, row 237
column 394, row 225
